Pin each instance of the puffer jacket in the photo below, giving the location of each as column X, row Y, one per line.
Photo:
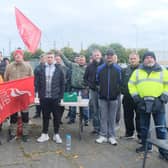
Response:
column 57, row 84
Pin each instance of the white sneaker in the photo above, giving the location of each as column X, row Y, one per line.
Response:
column 57, row 138
column 101, row 139
column 113, row 141
column 43, row 138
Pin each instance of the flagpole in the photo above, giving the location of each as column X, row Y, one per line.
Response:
column 9, row 48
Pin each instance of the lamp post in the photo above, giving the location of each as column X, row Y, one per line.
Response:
column 136, row 37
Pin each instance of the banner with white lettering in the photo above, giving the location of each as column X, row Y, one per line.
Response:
column 15, row 96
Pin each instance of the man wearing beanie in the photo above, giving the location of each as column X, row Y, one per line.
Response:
column 148, row 85
column 17, row 70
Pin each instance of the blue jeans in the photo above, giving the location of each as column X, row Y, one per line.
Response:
column 161, row 133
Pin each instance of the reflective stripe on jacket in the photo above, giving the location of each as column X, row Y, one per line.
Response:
column 153, row 84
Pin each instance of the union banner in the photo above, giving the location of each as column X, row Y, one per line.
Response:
column 15, row 96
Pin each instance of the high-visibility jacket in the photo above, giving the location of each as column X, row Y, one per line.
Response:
column 148, row 85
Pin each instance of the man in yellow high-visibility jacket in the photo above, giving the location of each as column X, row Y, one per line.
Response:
column 148, row 85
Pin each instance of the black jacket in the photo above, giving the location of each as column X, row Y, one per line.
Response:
column 57, row 84
column 2, row 68
column 126, row 73
column 36, row 75
column 109, row 80
column 90, row 74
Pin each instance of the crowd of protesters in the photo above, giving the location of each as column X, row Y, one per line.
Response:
column 143, row 88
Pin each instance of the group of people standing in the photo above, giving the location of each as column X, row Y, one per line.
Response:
column 144, row 88
column 145, row 92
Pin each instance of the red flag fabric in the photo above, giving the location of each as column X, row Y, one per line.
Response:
column 28, row 31
column 15, row 96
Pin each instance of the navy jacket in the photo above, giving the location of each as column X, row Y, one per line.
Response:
column 109, row 80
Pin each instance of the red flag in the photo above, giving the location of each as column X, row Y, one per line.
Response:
column 28, row 31
column 15, row 96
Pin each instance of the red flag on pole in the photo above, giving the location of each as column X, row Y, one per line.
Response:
column 15, row 96
column 28, row 31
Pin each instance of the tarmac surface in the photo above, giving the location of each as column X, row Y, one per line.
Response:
column 84, row 153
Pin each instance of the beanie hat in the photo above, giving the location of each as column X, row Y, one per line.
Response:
column 110, row 52
column 18, row 51
column 149, row 53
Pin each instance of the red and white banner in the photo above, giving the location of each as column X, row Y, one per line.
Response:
column 15, row 96
column 28, row 31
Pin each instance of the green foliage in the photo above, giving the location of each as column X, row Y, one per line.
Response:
column 141, row 52
column 120, row 51
column 37, row 53
column 85, row 53
column 93, row 47
column 69, row 53
column 29, row 56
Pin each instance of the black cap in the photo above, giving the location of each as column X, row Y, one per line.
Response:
column 110, row 52
column 149, row 53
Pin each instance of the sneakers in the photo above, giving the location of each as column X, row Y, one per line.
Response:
column 43, row 138
column 57, row 138
column 112, row 141
column 101, row 139
column 142, row 150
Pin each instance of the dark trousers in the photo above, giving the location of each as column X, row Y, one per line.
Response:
column 118, row 114
column 38, row 110
column 62, row 108
column 51, row 105
column 24, row 115
column 25, row 121
column 161, row 132
column 130, row 112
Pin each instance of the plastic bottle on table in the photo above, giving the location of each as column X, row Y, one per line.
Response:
column 79, row 96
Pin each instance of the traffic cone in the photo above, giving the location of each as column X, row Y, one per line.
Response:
column 19, row 126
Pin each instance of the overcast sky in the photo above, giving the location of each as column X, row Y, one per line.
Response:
column 132, row 23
